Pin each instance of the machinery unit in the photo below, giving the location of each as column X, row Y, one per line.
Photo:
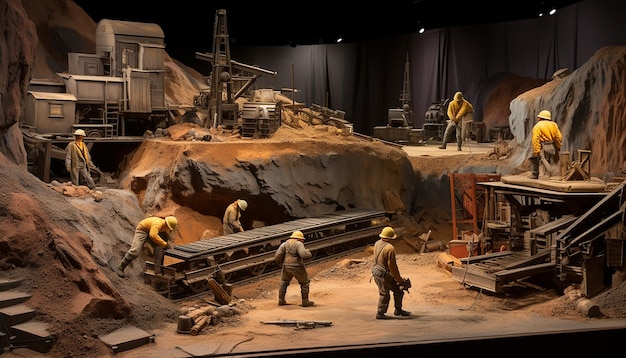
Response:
column 575, row 236
column 260, row 120
column 228, row 80
column 435, row 121
column 232, row 257
column 118, row 91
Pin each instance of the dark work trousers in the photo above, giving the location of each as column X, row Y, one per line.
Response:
column 386, row 284
column 299, row 272
column 549, row 153
column 453, row 127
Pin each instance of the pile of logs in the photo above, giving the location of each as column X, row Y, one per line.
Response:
column 210, row 315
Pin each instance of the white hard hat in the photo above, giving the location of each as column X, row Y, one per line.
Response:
column 242, row 204
column 80, row 132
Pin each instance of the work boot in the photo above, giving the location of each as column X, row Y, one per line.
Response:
column 282, row 291
column 442, row 146
column 122, row 266
column 459, row 149
column 533, row 176
column 401, row 312
column 381, row 316
column 305, row 300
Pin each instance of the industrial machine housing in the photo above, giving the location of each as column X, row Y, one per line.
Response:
column 119, row 90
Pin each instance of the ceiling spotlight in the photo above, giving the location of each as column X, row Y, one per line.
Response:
column 339, row 39
column 421, row 30
column 552, row 12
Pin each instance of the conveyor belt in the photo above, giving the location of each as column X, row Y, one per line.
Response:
column 271, row 234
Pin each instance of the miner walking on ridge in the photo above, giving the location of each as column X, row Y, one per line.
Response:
column 78, row 160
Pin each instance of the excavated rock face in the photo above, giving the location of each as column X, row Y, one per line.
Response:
column 588, row 106
column 293, row 175
column 17, row 58
column 41, row 230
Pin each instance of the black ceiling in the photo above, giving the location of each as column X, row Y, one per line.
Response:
column 280, row 22
column 190, row 23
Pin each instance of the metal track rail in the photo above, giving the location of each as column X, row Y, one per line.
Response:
column 272, row 235
column 250, row 253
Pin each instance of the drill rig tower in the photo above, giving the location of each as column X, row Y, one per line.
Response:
column 222, row 107
column 229, row 79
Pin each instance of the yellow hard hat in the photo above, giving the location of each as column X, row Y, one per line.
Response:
column 171, row 222
column 80, row 132
column 458, row 96
column 545, row 114
column 297, row 235
column 242, row 204
column 388, row 233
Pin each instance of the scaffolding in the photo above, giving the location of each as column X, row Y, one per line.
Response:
column 469, row 200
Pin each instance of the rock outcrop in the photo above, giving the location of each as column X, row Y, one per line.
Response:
column 588, row 105
column 295, row 174
column 17, row 58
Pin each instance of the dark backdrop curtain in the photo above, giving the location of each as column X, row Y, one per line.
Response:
column 365, row 79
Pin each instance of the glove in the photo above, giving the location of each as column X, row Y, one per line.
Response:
column 167, row 246
column 406, row 284
column 68, row 169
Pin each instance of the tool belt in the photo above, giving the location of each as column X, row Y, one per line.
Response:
column 379, row 271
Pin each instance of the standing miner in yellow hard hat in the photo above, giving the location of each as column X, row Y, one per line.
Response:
column 78, row 160
column 232, row 215
column 546, row 142
column 460, row 112
column 290, row 256
column 387, row 275
column 157, row 230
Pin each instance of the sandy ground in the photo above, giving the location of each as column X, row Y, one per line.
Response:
column 442, row 309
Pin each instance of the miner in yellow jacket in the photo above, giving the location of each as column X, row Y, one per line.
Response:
column 460, row 113
column 546, row 142
column 150, row 230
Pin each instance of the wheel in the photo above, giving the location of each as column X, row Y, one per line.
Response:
column 95, row 133
column 330, row 250
column 199, row 286
column 257, row 270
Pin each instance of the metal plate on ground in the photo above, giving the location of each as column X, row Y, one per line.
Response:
column 126, row 338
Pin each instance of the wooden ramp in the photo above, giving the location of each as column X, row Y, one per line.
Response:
column 492, row 272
